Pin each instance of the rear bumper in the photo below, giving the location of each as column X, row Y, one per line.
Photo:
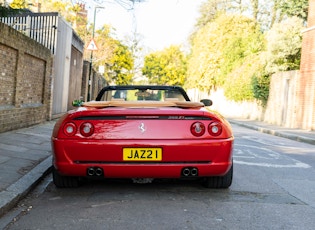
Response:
column 144, row 170
column 210, row 158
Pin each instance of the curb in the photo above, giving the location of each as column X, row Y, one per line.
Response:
column 15, row 192
column 276, row 133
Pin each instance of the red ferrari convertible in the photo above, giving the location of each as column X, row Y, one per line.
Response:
column 141, row 132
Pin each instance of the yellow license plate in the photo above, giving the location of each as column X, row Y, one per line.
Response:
column 142, row 154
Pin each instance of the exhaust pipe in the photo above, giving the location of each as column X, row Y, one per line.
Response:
column 186, row 172
column 91, row 171
column 194, row 172
column 98, row 172
column 94, row 171
column 190, row 172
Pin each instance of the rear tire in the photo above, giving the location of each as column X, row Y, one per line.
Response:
column 64, row 181
column 219, row 181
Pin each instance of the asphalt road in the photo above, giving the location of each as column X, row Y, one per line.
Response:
column 273, row 188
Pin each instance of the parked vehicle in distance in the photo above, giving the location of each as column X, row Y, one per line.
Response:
column 143, row 131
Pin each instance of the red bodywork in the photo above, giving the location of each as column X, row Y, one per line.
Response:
column 168, row 128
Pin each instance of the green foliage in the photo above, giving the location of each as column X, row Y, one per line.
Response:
column 71, row 13
column 294, row 8
column 4, row 11
column 116, row 57
column 238, row 87
column 248, row 81
column 167, row 67
column 262, row 11
column 230, row 51
column 204, row 61
column 219, row 49
column 260, row 83
column 209, row 10
column 106, row 45
column 121, row 64
column 7, row 10
column 18, row 4
column 284, row 45
column 63, row 7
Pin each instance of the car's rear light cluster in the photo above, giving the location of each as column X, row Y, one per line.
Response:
column 70, row 129
column 86, row 129
column 215, row 128
column 198, row 129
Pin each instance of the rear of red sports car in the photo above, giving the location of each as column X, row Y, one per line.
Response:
column 142, row 142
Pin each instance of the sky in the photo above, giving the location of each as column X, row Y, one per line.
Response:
column 160, row 23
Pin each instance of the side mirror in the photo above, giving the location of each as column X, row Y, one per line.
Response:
column 77, row 103
column 206, row 102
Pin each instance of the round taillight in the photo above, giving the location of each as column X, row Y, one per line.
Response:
column 70, row 129
column 86, row 129
column 215, row 129
column 197, row 129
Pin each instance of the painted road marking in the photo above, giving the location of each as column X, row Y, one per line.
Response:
column 258, row 156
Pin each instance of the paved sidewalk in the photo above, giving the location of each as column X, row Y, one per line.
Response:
column 293, row 134
column 25, row 156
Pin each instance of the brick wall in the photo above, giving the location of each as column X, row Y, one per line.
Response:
column 25, row 80
column 306, row 84
column 8, row 61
